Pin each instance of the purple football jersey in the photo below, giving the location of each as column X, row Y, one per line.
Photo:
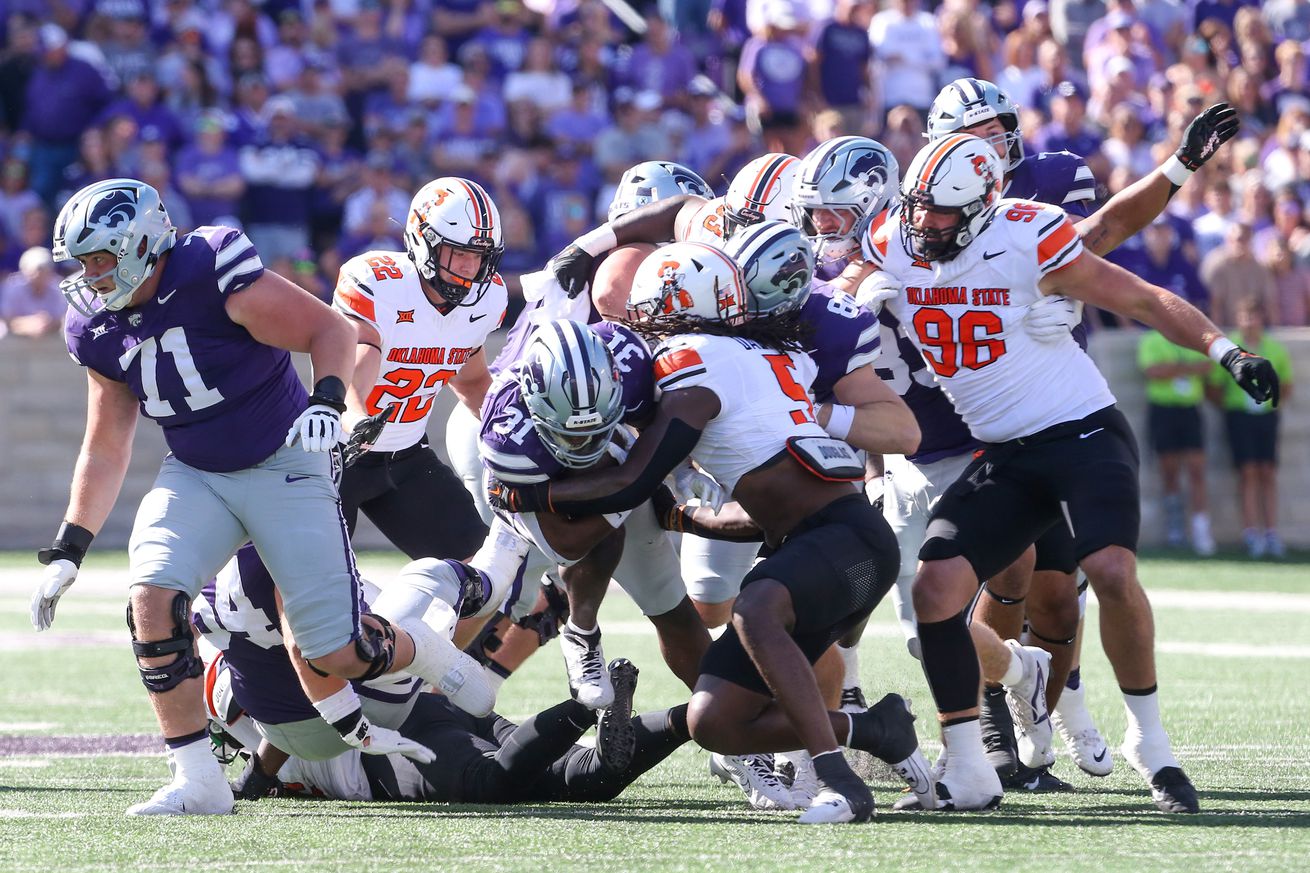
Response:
column 509, row 444
column 224, row 399
column 846, row 337
column 263, row 680
column 1059, row 178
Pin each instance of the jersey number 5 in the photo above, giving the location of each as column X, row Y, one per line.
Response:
column 782, row 365
column 973, row 346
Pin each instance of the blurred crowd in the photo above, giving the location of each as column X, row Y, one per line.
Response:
column 309, row 123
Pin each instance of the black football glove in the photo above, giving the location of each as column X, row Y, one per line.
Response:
column 572, row 268
column 254, row 783
column 362, row 436
column 1207, row 132
column 1253, row 374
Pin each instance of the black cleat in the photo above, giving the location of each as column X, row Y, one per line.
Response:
column 1172, row 791
column 616, row 741
column 998, row 732
column 1038, row 780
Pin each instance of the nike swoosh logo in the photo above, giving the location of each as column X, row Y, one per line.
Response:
column 163, row 298
column 1101, row 757
column 987, row 256
column 296, row 478
column 1083, row 436
column 473, row 318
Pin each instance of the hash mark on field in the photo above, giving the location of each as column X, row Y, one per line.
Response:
column 27, row 813
column 12, row 745
column 1233, row 650
column 26, row 725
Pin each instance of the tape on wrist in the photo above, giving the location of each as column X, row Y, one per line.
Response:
column 1175, row 171
column 1219, row 348
column 337, row 706
column 598, row 241
column 840, row 421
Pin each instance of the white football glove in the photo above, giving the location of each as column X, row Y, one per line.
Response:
column 373, row 740
column 1050, row 319
column 876, row 289
column 318, row 428
column 620, row 444
column 58, row 576
column 690, row 482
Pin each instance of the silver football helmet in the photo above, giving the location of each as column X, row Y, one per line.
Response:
column 655, row 180
column 450, row 215
column 966, row 102
column 573, row 391
column 123, row 217
column 854, row 178
column 777, row 264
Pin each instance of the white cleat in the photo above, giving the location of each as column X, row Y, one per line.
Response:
column 454, row 673
column 829, row 807
column 753, row 774
column 1085, row 744
column 1027, row 702
column 211, row 796
column 796, row 771
column 589, row 678
column 966, row 783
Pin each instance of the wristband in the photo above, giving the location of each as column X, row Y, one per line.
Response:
column 598, row 241
column 840, row 420
column 1175, row 171
column 70, row 544
column 341, row 710
column 1219, row 348
column 329, row 391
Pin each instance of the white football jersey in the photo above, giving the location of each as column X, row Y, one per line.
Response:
column 966, row 317
column 421, row 348
column 763, row 395
column 704, row 226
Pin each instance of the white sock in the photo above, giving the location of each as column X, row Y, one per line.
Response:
column 850, row 659
column 964, row 740
column 1145, row 732
column 1014, row 672
column 194, row 760
column 586, row 632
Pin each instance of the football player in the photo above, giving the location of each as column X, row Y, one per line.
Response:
column 978, row 107
column 554, row 413
column 197, row 334
column 972, row 265
column 421, row 746
column 734, row 398
column 422, row 317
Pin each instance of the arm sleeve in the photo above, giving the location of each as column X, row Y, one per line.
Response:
column 677, row 443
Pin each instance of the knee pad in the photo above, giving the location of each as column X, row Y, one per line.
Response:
column 475, row 589
column 182, row 644
column 376, row 647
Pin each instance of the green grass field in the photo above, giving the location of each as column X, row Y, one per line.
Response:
column 1234, row 643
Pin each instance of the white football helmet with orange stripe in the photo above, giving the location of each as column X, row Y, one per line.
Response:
column 453, row 236
column 761, row 190
column 949, row 196
column 688, row 279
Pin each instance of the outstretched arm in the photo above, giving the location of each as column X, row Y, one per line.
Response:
column 1136, row 206
column 653, row 223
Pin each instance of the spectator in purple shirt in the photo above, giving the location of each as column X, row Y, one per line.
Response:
column 1068, row 130
column 127, row 51
column 280, row 171
column 457, row 21
column 579, row 121
column 771, row 74
column 659, row 63
column 209, row 173
column 142, row 105
column 17, row 62
column 30, row 301
column 839, row 62
column 505, row 39
column 15, row 196
column 710, row 135
column 64, row 96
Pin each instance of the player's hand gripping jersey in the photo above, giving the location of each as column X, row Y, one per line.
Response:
column 763, row 395
column 966, row 317
column 422, row 348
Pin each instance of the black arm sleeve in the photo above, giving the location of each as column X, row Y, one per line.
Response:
column 679, row 439
column 681, row 518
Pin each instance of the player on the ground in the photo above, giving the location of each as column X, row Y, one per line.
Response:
column 422, row 317
column 734, row 399
column 972, row 265
column 554, row 413
column 196, row 334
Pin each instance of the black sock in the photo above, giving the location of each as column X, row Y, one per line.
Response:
column 542, row 739
column 678, row 721
column 950, row 662
column 186, row 740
